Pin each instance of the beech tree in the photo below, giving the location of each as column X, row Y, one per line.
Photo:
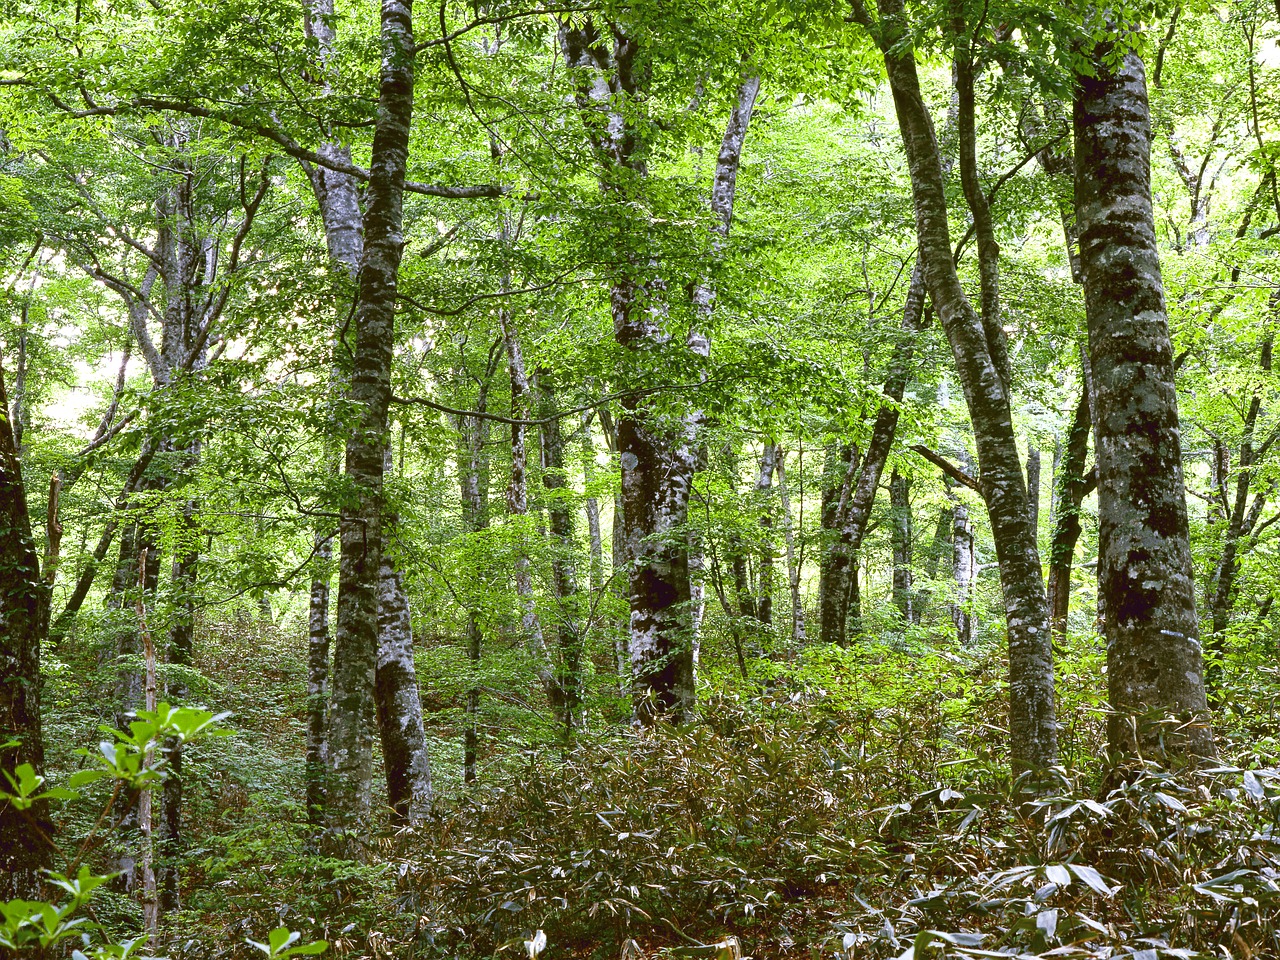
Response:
column 1153, row 650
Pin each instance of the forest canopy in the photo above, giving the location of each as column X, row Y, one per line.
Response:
column 639, row 479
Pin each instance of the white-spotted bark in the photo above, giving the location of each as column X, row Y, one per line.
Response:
column 1154, row 662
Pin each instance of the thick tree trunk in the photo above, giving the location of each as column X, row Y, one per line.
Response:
column 1072, row 486
column 356, row 637
column 339, row 205
column 1154, row 662
column 978, row 355
column 27, row 846
column 405, row 759
column 657, row 461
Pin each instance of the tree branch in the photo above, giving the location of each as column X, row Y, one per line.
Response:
column 947, row 467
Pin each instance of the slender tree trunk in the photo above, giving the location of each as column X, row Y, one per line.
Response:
column 858, row 495
column 592, row 507
column 977, row 349
column 793, row 556
column 518, row 506
column 27, row 846
column 1033, row 487
column 738, row 569
column 84, row 583
column 1145, row 570
column 318, row 680
column 356, row 638
column 1072, row 487
column 146, row 820
column 1243, row 519
column 964, row 569
column 833, row 573
column 900, row 534
column 181, row 648
column 564, row 575
column 473, row 480
column 764, row 496
column 339, row 204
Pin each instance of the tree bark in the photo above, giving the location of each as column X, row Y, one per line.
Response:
column 976, row 348
column 858, row 495
column 343, row 220
column 474, row 483
column 657, row 459
column 181, row 648
column 764, row 498
column 1154, row 662
column 833, row 572
column 1073, row 485
column 406, row 762
column 964, row 571
column 24, row 596
column 518, row 506
column 1243, row 520
column 793, row 556
column 356, row 637
column 1033, row 487
column 570, row 635
column 318, row 681
column 900, row 534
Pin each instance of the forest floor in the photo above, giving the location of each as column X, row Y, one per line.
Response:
column 859, row 807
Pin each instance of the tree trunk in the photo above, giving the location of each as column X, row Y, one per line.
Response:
column 900, row 534
column 964, row 570
column 1033, row 487
column 833, row 572
column 405, row 759
column 764, row 497
column 181, row 637
column 977, row 351
column 592, row 506
column 1154, row 659
column 858, row 495
column 27, row 847
column 1243, row 519
column 1071, row 489
column 356, row 637
column 474, row 483
column 570, row 634
column 339, row 206
column 657, row 460
column 318, row 680
column 518, row 506
column 793, row 556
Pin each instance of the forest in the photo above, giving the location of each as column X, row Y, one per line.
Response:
column 639, row 479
